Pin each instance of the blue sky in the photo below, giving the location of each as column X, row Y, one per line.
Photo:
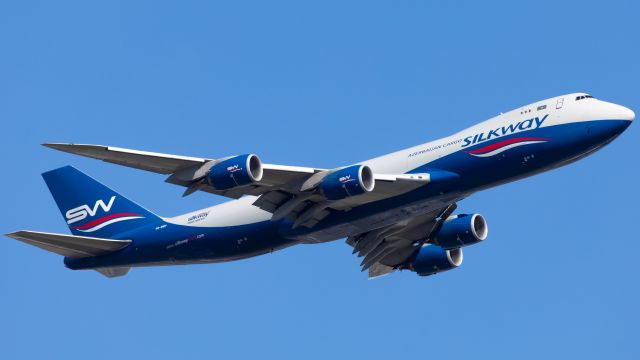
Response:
column 322, row 85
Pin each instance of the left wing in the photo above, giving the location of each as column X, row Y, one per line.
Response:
column 386, row 249
column 293, row 192
column 187, row 170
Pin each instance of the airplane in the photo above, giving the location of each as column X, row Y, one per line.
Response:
column 396, row 211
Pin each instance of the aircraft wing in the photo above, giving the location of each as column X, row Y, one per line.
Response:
column 384, row 250
column 286, row 191
column 186, row 167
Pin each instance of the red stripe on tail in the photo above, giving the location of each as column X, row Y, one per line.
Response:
column 103, row 219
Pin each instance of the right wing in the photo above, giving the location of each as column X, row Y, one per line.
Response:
column 386, row 249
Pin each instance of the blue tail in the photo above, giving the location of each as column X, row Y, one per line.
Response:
column 92, row 209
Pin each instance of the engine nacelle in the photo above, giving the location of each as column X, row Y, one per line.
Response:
column 432, row 259
column 350, row 181
column 462, row 230
column 237, row 171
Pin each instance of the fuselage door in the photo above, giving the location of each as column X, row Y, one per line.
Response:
column 560, row 103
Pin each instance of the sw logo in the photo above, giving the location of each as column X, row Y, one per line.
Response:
column 345, row 179
column 81, row 212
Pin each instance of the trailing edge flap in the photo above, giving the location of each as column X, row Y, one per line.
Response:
column 70, row 245
column 113, row 271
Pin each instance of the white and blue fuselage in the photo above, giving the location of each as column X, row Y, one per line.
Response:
column 513, row 145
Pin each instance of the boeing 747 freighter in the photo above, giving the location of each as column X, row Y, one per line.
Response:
column 396, row 211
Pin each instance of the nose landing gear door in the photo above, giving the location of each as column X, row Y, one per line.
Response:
column 560, row 103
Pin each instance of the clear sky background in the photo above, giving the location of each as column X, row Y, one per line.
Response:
column 323, row 85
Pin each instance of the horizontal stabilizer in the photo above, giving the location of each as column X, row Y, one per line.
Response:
column 70, row 245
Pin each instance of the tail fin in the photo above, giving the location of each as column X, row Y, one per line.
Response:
column 92, row 209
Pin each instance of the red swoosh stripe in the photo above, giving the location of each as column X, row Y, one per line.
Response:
column 103, row 219
column 502, row 143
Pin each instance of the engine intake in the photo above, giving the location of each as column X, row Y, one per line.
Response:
column 462, row 230
column 432, row 259
column 237, row 171
column 350, row 181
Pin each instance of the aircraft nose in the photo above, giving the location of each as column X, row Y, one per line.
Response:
column 620, row 112
column 617, row 119
column 628, row 114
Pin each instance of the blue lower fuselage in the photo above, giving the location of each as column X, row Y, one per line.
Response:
column 454, row 176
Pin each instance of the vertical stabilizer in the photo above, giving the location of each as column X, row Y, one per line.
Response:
column 92, row 209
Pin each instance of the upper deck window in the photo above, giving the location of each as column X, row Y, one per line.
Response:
column 584, row 97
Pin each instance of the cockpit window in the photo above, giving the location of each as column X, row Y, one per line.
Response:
column 584, row 97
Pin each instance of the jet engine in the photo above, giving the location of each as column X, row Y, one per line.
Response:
column 236, row 171
column 461, row 230
column 432, row 259
column 350, row 181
